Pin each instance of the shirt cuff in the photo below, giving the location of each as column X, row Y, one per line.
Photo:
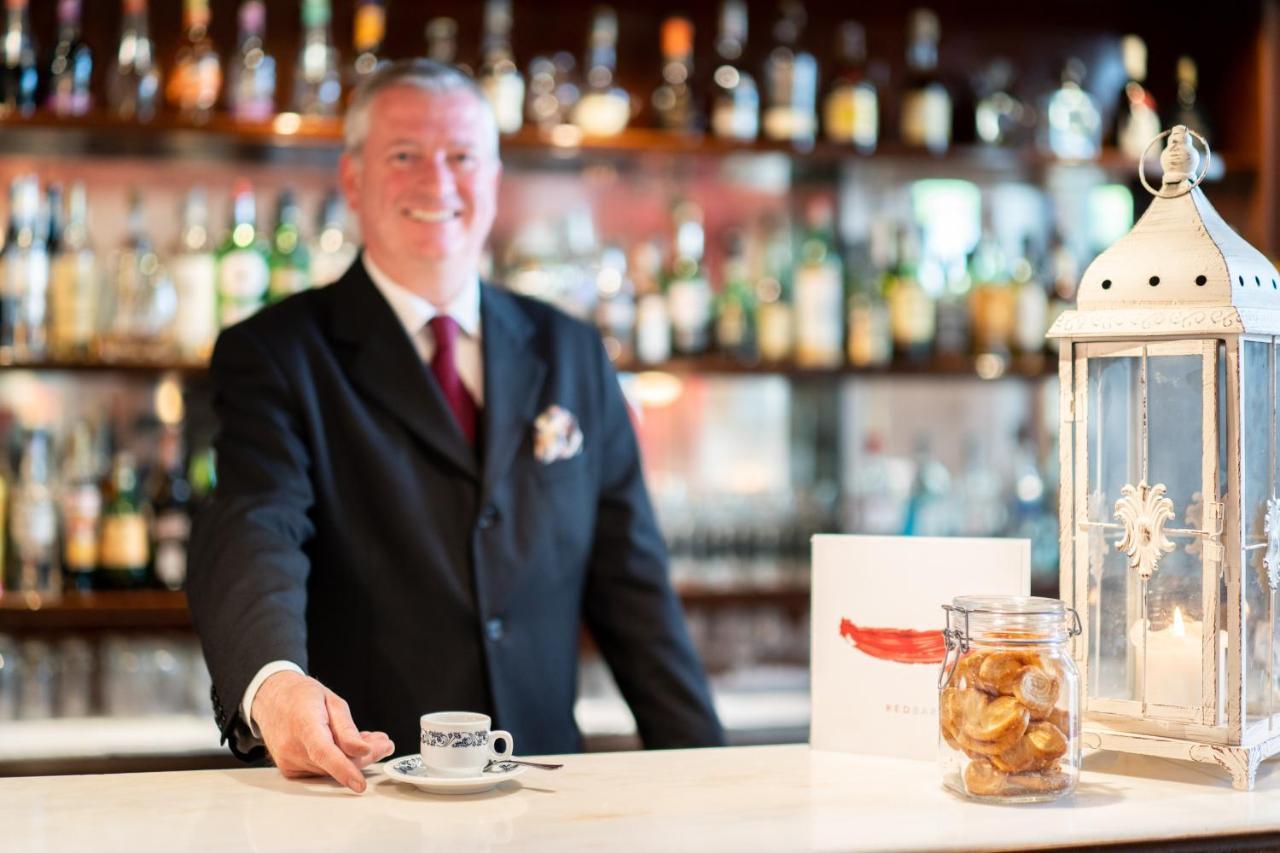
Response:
column 246, row 706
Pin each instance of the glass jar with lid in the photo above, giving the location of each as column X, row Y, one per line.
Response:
column 1009, row 700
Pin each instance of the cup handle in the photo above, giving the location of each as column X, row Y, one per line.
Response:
column 505, row 737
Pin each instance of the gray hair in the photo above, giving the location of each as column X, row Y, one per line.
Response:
column 425, row 74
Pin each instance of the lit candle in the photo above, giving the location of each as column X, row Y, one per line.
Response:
column 1173, row 662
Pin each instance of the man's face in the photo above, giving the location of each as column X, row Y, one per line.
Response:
column 424, row 185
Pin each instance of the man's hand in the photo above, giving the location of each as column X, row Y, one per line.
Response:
column 309, row 732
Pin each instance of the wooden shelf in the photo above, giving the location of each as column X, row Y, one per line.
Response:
column 139, row 609
column 1021, row 367
column 163, row 610
column 292, row 140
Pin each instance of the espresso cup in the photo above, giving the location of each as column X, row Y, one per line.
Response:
column 459, row 743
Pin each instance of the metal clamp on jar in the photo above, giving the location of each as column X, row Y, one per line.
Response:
column 1009, row 699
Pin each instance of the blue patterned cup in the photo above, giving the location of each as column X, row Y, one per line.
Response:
column 459, row 743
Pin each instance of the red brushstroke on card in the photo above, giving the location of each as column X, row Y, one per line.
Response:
column 900, row 645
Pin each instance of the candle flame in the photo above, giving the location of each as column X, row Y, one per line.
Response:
column 1179, row 630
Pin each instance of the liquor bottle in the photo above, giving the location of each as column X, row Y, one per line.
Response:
column 926, row 103
column 317, row 87
column 251, row 86
column 953, row 309
column 19, row 76
column 499, row 77
column 243, row 270
column 912, row 313
column 1189, row 112
column 170, row 496
column 992, row 296
column 33, row 520
column 195, row 280
column 71, row 69
column 331, row 250
column 442, row 42
column 74, row 283
column 688, row 291
column 653, row 320
column 775, row 321
column 928, row 511
column 141, row 300
column 1031, row 303
column 133, row 84
column 615, row 312
column 290, row 261
column 81, row 503
column 735, row 310
column 24, row 300
column 1062, row 271
column 851, row 110
column 370, row 28
column 819, row 290
column 1001, row 117
column 735, row 101
column 790, row 81
column 553, row 90
column 202, row 475
column 196, row 80
column 1072, row 127
column 674, row 105
column 1136, row 120
column 870, row 340
column 123, row 547
column 604, row 108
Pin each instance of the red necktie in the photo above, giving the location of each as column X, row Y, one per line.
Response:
column 445, row 367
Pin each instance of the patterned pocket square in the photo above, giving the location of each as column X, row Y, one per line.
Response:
column 556, row 435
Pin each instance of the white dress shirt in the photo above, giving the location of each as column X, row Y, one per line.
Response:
column 414, row 312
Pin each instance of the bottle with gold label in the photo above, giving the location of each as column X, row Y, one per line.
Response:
column 819, row 290
column 790, row 81
column 851, row 111
column 912, row 312
column 370, row 27
column 992, row 299
column 81, row 510
column 1136, row 120
column 735, row 101
column 605, row 107
column 869, row 342
column 926, row 103
column 196, row 80
column 123, row 546
column 73, row 280
column 775, row 324
column 499, row 77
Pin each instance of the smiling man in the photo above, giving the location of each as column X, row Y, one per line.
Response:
column 426, row 484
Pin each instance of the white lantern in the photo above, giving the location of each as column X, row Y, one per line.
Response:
column 1170, row 525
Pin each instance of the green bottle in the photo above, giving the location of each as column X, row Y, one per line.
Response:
column 124, row 547
column 243, row 269
column 736, row 305
column 290, row 262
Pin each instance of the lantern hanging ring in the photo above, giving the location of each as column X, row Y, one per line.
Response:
column 1195, row 182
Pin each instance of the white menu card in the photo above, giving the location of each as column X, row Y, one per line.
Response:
column 877, row 623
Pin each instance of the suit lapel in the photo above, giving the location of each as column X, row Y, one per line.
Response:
column 513, row 377
column 382, row 361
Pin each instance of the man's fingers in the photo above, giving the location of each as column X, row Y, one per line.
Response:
column 324, row 754
column 378, row 747
column 345, row 733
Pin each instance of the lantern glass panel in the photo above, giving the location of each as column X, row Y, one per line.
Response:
column 1114, row 425
column 1258, row 390
column 1148, row 636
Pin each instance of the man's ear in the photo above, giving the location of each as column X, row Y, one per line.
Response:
column 349, row 178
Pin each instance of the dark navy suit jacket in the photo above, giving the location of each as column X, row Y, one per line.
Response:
column 356, row 533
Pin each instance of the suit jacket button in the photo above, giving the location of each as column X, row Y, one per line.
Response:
column 488, row 517
column 494, row 629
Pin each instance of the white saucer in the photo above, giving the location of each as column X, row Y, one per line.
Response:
column 409, row 769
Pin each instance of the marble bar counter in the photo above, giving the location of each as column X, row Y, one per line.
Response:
column 776, row 798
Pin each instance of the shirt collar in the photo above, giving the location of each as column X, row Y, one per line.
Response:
column 414, row 311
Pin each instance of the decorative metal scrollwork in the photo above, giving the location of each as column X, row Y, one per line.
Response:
column 1144, row 511
column 1271, row 527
